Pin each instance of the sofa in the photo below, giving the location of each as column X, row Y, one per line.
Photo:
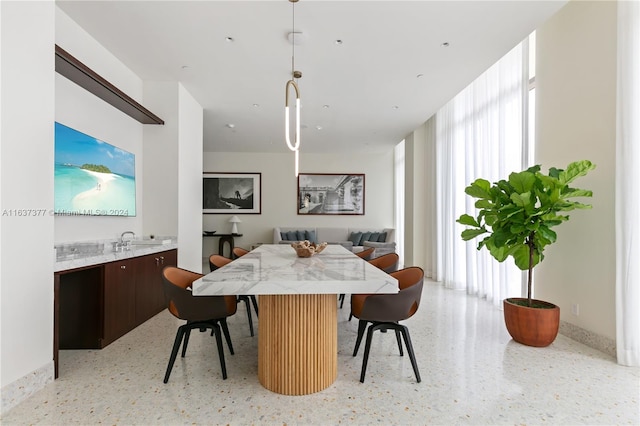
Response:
column 354, row 239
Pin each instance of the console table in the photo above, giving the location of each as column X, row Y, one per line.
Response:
column 298, row 327
column 224, row 239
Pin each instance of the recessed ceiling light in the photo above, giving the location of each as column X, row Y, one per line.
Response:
column 419, row 75
column 230, row 125
column 184, row 67
column 395, row 107
column 318, row 127
column 445, row 44
column 325, row 106
column 229, row 39
column 338, row 42
column 256, row 105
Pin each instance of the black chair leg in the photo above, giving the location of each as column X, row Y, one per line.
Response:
column 255, row 304
column 220, row 350
column 341, row 300
column 227, row 337
column 362, row 324
column 174, row 352
column 367, row 349
column 245, row 299
column 412, row 356
column 187, row 334
column 399, row 342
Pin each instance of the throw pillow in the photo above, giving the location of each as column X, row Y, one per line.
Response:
column 374, row 236
column 311, row 236
column 292, row 236
column 382, row 237
column 284, row 236
column 365, row 237
column 300, row 236
column 355, row 238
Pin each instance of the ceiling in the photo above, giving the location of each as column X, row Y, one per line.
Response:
column 396, row 64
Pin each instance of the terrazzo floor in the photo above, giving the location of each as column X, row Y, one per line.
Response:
column 472, row 373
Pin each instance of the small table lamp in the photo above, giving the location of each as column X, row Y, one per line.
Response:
column 234, row 227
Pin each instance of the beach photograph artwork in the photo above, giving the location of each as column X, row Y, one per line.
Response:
column 92, row 177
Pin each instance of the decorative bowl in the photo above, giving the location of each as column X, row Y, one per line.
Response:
column 208, row 232
column 307, row 249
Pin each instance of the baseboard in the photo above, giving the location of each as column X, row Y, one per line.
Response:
column 588, row 338
column 21, row 389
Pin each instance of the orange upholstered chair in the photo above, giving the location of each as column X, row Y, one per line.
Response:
column 200, row 312
column 216, row 261
column 366, row 253
column 384, row 311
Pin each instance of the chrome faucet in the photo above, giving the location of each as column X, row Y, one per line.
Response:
column 126, row 244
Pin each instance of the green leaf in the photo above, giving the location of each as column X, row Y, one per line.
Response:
column 547, row 233
column 484, row 204
column 522, row 182
column 469, row 234
column 468, row 220
column 479, row 189
column 521, row 200
column 520, row 255
column 577, row 193
column 499, row 253
column 575, row 170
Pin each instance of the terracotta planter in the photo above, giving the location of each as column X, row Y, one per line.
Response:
column 532, row 326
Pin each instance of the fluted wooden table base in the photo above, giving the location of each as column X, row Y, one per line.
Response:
column 298, row 343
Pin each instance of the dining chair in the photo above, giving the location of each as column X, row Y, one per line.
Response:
column 200, row 312
column 238, row 252
column 385, row 311
column 387, row 262
column 366, row 253
column 217, row 261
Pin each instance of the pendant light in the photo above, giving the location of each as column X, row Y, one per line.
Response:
column 291, row 84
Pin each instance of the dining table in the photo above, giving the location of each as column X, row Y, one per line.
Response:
column 297, row 296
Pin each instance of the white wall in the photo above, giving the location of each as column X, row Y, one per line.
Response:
column 279, row 192
column 85, row 112
column 190, row 181
column 172, row 176
column 576, row 88
column 416, row 228
column 26, row 279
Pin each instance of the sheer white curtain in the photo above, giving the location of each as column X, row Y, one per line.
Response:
column 480, row 133
column 627, row 185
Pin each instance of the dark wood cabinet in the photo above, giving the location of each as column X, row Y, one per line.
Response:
column 149, row 296
column 119, row 289
column 94, row 306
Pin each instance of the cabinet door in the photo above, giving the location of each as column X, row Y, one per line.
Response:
column 149, row 289
column 119, row 299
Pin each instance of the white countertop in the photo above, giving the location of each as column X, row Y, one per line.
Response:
column 276, row 269
column 81, row 260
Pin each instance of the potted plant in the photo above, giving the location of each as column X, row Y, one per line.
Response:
column 517, row 216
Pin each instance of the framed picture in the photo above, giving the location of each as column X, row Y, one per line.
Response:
column 231, row 193
column 331, row 193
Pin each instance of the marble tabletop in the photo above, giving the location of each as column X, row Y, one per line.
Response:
column 276, row 269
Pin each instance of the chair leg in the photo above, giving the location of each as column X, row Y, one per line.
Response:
column 187, row 334
column 254, row 301
column 399, row 342
column 245, row 299
column 227, row 337
column 341, row 300
column 367, row 349
column 412, row 356
column 362, row 324
column 220, row 350
column 174, row 353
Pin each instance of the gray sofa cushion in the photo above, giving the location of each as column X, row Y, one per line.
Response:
column 355, row 238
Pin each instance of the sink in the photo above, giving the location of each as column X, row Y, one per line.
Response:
column 151, row 242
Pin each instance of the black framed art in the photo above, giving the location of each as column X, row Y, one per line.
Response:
column 231, row 193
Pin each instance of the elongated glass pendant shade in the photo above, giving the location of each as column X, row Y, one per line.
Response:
column 296, row 145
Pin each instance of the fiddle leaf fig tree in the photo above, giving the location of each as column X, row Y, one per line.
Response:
column 517, row 215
